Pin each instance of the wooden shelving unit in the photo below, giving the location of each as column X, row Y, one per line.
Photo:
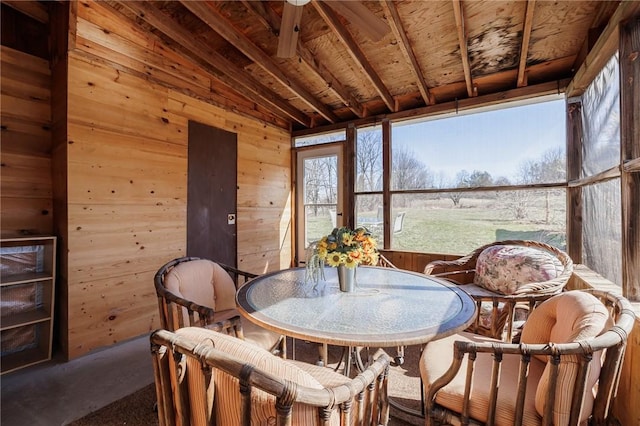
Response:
column 27, row 291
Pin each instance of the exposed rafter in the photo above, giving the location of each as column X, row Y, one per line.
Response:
column 464, row 52
column 355, row 52
column 526, row 36
column 603, row 49
column 312, row 62
column 33, row 9
column 225, row 71
column 265, row 15
column 234, row 42
column 332, row 82
column 405, row 46
column 209, row 14
column 362, row 18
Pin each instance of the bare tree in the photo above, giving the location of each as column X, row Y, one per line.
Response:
column 408, row 172
column 464, row 179
column 369, row 161
column 320, row 184
column 550, row 167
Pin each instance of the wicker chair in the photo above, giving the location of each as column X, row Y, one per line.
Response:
column 204, row 377
column 199, row 292
column 572, row 348
column 496, row 311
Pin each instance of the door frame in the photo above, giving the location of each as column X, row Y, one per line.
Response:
column 316, row 151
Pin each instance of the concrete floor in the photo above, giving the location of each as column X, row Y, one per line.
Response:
column 55, row 393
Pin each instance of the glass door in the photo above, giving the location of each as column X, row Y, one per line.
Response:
column 319, row 198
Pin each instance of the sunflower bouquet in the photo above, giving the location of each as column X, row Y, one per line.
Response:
column 343, row 246
column 347, row 247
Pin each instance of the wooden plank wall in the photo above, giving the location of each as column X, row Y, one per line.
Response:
column 127, row 177
column 26, row 194
column 414, row 261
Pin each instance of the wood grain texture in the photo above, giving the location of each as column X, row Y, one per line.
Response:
column 127, row 178
column 630, row 150
column 26, row 193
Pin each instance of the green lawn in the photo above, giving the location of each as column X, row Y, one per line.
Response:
column 437, row 226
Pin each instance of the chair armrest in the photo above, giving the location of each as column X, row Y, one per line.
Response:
column 565, row 361
column 203, row 311
column 384, row 262
column 236, row 274
column 368, row 389
column 205, row 317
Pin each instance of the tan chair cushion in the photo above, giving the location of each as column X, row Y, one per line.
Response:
column 436, row 359
column 227, row 402
column 568, row 317
column 203, row 282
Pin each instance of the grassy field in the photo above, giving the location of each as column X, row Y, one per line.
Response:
column 437, row 226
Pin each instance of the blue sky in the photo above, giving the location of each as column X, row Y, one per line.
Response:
column 495, row 141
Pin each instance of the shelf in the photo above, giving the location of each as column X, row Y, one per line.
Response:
column 24, row 358
column 24, row 318
column 27, row 291
column 28, row 277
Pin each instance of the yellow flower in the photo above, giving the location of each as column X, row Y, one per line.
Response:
column 347, row 247
column 335, row 259
column 347, row 239
column 349, row 262
column 355, row 255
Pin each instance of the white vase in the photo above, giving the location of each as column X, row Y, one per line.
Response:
column 347, row 278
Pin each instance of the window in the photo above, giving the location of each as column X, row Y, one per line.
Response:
column 463, row 181
column 369, row 181
column 319, row 139
column 602, row 213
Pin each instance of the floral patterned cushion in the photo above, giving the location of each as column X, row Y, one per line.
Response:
column 504, row 268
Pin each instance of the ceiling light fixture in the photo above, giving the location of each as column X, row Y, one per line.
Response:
column 298, row 2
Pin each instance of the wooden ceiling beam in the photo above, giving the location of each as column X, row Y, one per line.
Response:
column 464, row 50
column 526, row 37
column 34, row 9
column 405, row 46
column 210, row 15
column 312, row 62
column 289, row 30
column 355, row 52
column 332, row 82
column 603, row 49
column 224, row 70
column 266, row 15
column 362, row 18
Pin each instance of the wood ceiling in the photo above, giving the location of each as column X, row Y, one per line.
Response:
column 433, row 52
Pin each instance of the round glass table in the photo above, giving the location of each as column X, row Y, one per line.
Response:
column 389, row 307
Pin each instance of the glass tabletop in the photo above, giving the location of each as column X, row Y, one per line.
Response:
column 389, row 307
